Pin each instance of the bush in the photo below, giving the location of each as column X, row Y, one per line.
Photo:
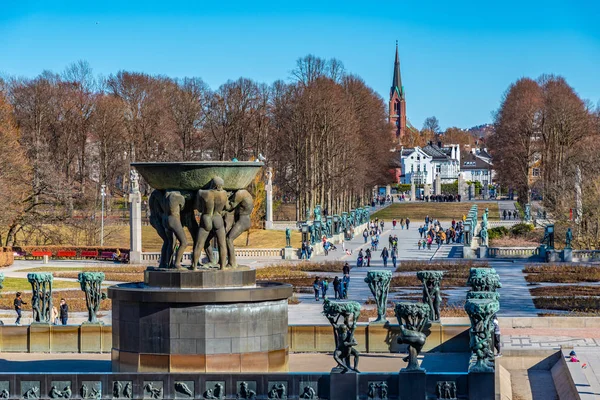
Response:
column 521, row 229
column 498, row 232
column 403, row 187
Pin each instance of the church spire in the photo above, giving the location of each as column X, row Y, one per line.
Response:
column 397, row 79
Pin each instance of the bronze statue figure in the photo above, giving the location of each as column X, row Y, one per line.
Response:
column 241, row 206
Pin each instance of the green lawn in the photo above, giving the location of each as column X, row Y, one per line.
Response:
column 22, row 284
column 441, row 211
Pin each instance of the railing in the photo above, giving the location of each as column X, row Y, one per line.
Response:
column 586, row 255
column 264, row 253
column 513, row 252
column 495, row 224
column 257, row 253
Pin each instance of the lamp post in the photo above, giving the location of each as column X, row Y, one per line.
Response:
column 103, row 195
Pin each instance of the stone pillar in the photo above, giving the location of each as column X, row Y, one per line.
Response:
column 427, row 190
column 388, row 190
column 413, row 194
column 269, row 190
column 461, row 185
column 472, row 191
column 484, row 190
column 135, row 220
column 438, row 184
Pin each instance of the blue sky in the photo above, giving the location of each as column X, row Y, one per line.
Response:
column 457, row 57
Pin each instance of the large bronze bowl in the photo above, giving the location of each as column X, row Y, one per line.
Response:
column 195, row 175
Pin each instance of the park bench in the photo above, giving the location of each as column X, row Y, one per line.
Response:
column 106, row 255
column 89, row 253
column 40, row 254
column 66, row 254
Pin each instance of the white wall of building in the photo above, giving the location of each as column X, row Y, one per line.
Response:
column 418, row 166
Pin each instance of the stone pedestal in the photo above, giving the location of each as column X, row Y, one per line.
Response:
column 343, row 386
column 469, row 252
column 567, row 255
column 179, row 324
column 427, row 190
column 438, row 184
column 388, row 190
column 289, row 253
column 461, row 185
column 484, row 252
column 413, row 194
column 542, row 251
column 551, row 256
column 412, row 385
column 269, row 205
column 135, row 228
column 481, row 386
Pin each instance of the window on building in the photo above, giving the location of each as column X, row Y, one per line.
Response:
column 535, row 172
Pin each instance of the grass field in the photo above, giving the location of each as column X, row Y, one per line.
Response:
column 23, row 285
column 441, row 211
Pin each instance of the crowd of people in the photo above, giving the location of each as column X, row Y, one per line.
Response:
column 433, row 232
column 442, row 198
column 508, row 214
column 340, row 285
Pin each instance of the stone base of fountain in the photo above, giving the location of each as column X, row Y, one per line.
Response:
column 202, row 278
column 175, row 322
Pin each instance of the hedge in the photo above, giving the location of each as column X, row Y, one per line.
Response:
column 56, row 248
column 6, row 256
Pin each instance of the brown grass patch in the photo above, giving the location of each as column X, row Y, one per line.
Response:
column 74, row 298
column 455, row 276
column 561, row 273
column 328, row 266
column 108, row 276
column 589, row 305
column 565, row 291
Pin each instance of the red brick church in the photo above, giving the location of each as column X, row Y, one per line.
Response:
column 397, row 103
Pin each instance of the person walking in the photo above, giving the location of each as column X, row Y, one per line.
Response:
column 497, row 342
column 394, row 224
column 394, row 259
column 385, row 254
column 64, row 311
column 407, row 222
column 303, row 253
column 324, row 288
column 316, row 288
column 346, row 269
column 18, row 303
column 309, row 251
column 368, row 257
column 345, row 286
column 504, row 213
column 381, row 224
column 336, row 288
column 365, row 235
column 402, row 223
